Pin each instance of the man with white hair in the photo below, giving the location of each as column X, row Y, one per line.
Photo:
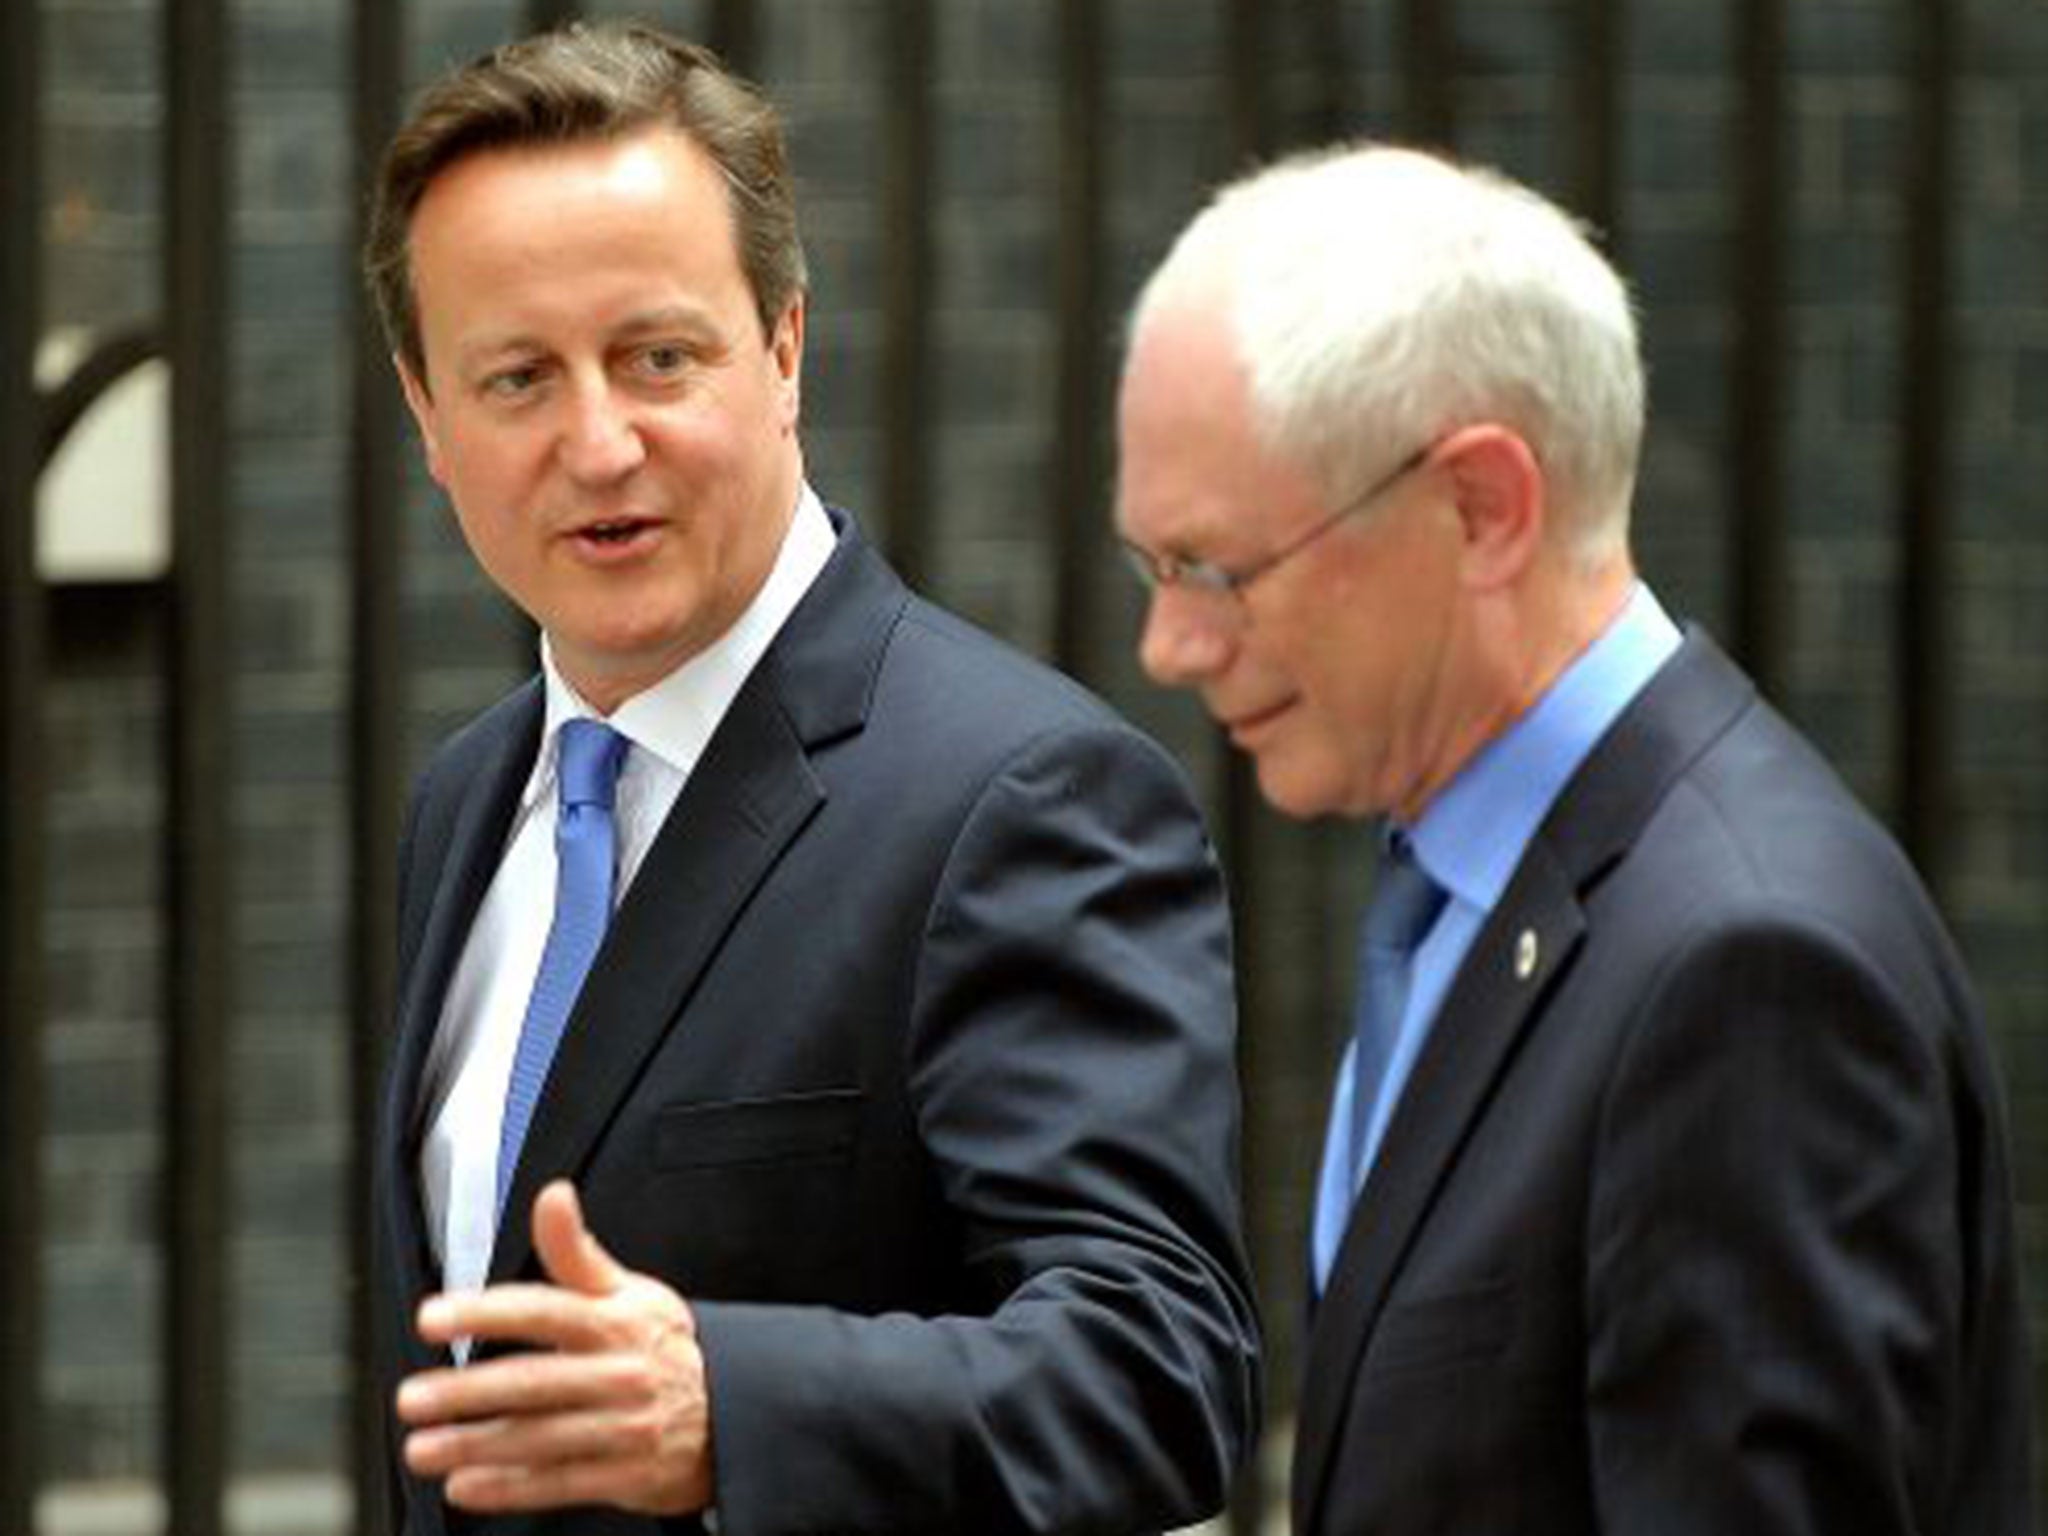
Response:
column 1665, row 1188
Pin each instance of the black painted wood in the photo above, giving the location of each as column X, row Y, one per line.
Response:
column 22, row 662
column 1756, row 376
column 735, row 35
column 1595, row 116
column 1429, row 71
column 1926, row 416
column 197, row 982
column 376, row 715
column 1080, row 469
column 909, row 284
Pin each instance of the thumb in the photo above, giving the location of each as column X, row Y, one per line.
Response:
column 568, row 1253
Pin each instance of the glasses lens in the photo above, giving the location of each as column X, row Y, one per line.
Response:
column 1199, row 590
column 1141, row 564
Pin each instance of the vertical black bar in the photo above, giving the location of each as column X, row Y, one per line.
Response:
column 1261, row 1043
column 1595, row 114
column 1757, row 369
column 1080, row 465
column 735, row 34
column 1429, row 60
column 1248, row 117
column 1924, row 411
column 1247, row 101
column 1329, row 111
column 908, row 292
column 21, row 771
column 376, row 705
column 196, row 955
column 545, row 15
column 1265, row 1061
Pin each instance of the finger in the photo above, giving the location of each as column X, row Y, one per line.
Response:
column 522, row 1386
column 504, row 1490
column 543, row 1315
column 569, row 1255
column 529, row 1442
column 653, row 1454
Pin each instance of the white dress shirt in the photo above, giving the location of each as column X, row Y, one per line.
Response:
column 667, row 727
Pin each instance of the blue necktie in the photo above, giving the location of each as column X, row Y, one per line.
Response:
column 588, row 755
column 1405, row 903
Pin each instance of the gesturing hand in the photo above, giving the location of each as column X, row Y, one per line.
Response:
column 607, row 1406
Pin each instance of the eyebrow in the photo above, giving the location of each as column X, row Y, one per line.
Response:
column 668, row 317
column 1186, row 542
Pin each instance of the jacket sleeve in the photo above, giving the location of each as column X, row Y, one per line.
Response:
column 1072, row 1078
column 1777, row 1286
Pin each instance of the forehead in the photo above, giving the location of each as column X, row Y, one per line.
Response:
column 531, row 237
column 646, row 167
column 1192, row 470
column 518, row 203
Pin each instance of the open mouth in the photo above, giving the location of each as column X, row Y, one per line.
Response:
column 616, row 532
column 614, row 543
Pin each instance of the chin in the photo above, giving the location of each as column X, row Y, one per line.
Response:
column 1295, row 793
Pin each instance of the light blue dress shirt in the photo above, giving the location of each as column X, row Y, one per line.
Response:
column 1470, row 839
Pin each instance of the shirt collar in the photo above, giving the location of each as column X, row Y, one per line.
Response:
column 675, row 717
column 1472, row 836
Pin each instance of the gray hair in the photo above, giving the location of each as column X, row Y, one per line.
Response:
column 1381, row 297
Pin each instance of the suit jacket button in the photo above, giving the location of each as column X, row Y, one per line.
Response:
column 1527, row 954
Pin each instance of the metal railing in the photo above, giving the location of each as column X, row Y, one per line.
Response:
column 199, row 973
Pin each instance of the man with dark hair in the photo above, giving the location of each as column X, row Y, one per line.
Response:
column 813, row 1099
column 1665, row 1188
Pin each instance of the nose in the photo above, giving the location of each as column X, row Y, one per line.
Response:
column 1182, row 643
column 600, row 441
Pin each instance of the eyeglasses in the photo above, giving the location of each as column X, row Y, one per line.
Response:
column 1158, row 570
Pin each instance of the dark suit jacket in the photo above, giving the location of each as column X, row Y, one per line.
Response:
column 908, row 1061
column 1694, row 1215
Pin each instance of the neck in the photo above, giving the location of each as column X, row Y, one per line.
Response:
column 1574, row 609
column 1526, row 644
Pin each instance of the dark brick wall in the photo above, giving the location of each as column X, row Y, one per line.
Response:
column 995, row 363
column 103, row 1163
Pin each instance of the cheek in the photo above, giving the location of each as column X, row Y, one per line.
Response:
column 513, row 485
column 488, row 544
column 472, row 464
column 1313, row 651
column 493, row 498
column 1342, row 677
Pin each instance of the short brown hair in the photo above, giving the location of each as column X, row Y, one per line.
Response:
column 589, row 81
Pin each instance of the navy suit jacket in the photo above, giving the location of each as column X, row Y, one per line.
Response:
column 908, row 1060
column 1694, row 1215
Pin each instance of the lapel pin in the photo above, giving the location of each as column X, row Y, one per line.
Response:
column 1526, row 955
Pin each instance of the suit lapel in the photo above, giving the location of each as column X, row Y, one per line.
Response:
column 474, row 798
column 1529, row 941
column 748, row 798
column 485, row 796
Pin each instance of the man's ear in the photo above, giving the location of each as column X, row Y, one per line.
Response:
column 1501, row 501
column 786, row 346
column 424, row 417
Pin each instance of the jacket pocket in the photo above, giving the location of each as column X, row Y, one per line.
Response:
column 1431, row 1332
column 777, row 1129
